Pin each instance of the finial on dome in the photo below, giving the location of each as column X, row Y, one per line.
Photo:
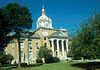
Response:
column 43, row 6
column 43, row 11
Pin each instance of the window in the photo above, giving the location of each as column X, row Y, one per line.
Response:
column 37, row 45
column 30, row 44
column 21, row 44
column 37, row 54
column 45, row 44
column 46, row 24
column 50, row 43
column 30, row 54
column 44, row 38
column 44, row 33
column 22, row 54
column 13, row 48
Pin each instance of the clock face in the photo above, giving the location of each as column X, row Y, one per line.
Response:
column 44, row 33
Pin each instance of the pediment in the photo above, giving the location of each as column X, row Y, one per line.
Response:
column 59, row 33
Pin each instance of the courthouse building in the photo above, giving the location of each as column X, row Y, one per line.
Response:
column 43, row 35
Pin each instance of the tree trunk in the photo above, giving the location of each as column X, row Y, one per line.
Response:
column 43, row 59
column 19, row 65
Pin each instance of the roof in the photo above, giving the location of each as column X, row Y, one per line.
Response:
column 59, row 34
column 30, row 35
column 48, row 29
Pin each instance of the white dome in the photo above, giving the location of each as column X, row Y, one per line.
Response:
column 44, row 21
column 44, row 17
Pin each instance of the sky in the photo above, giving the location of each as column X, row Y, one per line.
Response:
column 63, row 13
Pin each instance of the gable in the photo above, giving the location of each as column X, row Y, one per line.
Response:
column 59, row 34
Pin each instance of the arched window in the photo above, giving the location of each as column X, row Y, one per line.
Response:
column 46, row 24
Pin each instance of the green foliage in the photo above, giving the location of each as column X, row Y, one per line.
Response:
column 19, row 19
column 43, row 52
column 56, row 59
column 10, row 58
column 18, row 16
column 49, row 59
column 47, row 55
column 39, row 60
column 13, row 18
column 86, row 43
column 4, row 29
column 6, row 59
column 77, row 58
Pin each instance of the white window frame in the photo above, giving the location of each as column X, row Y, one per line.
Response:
column 30, row 55
column 22, row 55
column 22, row 44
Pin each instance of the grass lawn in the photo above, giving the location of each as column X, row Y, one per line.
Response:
column 53, row 66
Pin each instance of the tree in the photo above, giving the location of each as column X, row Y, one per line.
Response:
column 44, row 53
column 4, row 38
column 19, row 18
column 96, row 27
column 87, row 41
column 4, row 29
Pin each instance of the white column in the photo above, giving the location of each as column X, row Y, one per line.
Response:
column 62, row 47
column 52, row 41
column 58, row 47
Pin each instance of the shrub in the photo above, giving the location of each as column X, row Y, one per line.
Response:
column 23, row 64
column 10, row 58
column 47, row 55
column 49, row 59
column 39, row 60
column 6, row 59
column 56, row 59
column 77, row 58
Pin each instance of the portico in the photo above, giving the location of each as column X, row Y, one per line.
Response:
column 59, row 48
